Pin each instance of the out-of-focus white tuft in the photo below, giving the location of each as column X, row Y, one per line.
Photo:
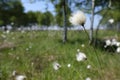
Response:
column 8, row 31
column 20, row 77
column 118, row 50
column 88, row 78
column 111, row 21
column 111, row 42
column 82, row 45
column 17, row 76
column 77, row 18
column 80, row 56
column 14, row 73
column 56, row 66
column 69, row 65
column 88, row 66
column 108, row 42
column 78, row 50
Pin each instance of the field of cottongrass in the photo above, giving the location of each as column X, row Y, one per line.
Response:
column 41, row 55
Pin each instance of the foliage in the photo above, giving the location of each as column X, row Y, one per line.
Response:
column 35, row 52
column 46, row 19
column 32, row 19
column 38, row 17
column 10, row 11
column 59, row 12
column 111, row 14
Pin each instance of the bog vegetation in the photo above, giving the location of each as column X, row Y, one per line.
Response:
column 42, row 55
column 62, row 54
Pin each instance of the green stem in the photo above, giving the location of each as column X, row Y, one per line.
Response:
column 86, row 32
column 98, row 60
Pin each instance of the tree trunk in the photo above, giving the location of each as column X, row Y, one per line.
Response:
column 96, row 32
column 5, row 28
column 64, row 22
column 92, row 21
column 104, row 14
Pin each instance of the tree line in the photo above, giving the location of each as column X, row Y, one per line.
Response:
column 12, row 13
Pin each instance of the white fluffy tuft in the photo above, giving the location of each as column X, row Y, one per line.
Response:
column 77, row 18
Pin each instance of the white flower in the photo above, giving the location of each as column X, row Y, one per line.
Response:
column 118, row 50
column 113, row 42
column 69, row 65
column 80, row 56
column 107, row 43
column 88, row 66
column 56, row 65
column 77, row 18
column 20, row 77
column 7, row 31
column 14, row 73
column 88, row 78
column 17, row 76
column 83, row 45
column 78, row 50
column 27, row 49
column 117, row 43
column 111, row 21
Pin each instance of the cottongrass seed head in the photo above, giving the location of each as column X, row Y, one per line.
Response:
column 77, row 18
column 88, row 66
column 20, row 77
column 56, row 66
column 82, row 45
column 111, row 20
column 69, row 65
column 17, row 76
column 80, row 56
column 118, row 50
column 88, row 78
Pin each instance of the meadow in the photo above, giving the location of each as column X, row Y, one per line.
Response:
column 32, row 53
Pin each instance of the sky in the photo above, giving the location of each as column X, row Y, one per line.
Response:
column 41, row 6
column 37, row 6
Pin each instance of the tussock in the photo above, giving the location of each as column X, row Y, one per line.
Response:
column 6, row 45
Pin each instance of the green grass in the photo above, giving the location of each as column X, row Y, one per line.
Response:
column 35, row 52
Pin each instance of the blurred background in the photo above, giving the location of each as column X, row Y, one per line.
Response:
column 48, row 14
column 38, row 42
